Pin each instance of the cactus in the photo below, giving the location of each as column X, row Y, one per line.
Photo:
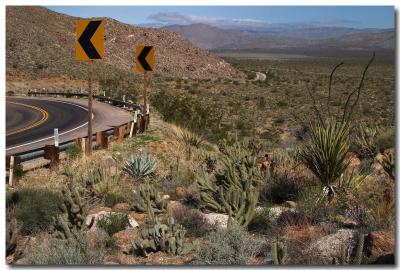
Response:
column 12, row 235
column 279, row 252
column 148, row 197
column 162, row 237
column 237, row 203
column 141, row 166
column 388, row 164
column 360, row 248
column 72, row 217
column 234, row 192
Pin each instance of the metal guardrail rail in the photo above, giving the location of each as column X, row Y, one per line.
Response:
column 114, row 102
column 33, row 154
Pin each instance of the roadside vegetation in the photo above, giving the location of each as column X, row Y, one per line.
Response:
column 296, row 169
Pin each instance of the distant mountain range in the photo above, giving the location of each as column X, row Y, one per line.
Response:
column 286, row 36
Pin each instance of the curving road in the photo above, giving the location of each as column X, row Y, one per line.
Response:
column 29, row 120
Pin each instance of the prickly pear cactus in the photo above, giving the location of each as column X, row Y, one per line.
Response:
column 162, row 237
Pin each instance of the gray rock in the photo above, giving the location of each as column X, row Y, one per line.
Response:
column 217, row 220
column 108, row 161
column 328, row 248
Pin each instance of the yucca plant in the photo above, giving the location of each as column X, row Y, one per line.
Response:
column 141, row 166
column 325, row 154
column 190, row 140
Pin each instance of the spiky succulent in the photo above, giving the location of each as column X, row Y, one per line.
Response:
column 141, row 166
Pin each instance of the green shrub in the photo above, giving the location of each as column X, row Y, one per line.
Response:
column 113, row 222
column 74, row 151
column 141, row 166
column 281, row 188
column 53, row 251
column 112, row 198
column 282, row 104
column 231, row 246
column 386, row 139
column 261, row 221
column 34, row 208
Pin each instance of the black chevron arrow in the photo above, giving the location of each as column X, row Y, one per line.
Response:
column 142, row 58
column 85, row 42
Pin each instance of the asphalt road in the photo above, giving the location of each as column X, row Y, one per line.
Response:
column 29, row 120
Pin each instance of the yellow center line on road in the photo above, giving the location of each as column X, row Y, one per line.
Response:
column 45, row 115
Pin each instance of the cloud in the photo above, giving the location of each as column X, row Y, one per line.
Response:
column 169, row 18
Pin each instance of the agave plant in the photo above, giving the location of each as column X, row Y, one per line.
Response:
column 325, row 154
column 141, row 166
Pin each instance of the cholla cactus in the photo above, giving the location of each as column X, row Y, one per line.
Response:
column 388, row 164
column 162, row 237
column 73, row 209
column 279, row 252
column 141, row 166
column 147, row 196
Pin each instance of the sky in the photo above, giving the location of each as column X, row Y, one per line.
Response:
column 241, row 16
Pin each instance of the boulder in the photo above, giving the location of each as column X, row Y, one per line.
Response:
column 275, row 212
column 379, row 244
column 216, row 220
column 353, row 160
column 180, row 192
column 107, row 161
column 139, row 217
column 121, row 207
column 123, row 239
column 290, row 204
column 328, row 248
column 173, row 205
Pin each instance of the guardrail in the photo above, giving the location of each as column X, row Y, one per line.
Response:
column 99, row 139
column 114, row 102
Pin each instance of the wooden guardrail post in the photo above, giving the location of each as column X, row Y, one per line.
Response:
column 52, row 153
column 102, row 139
column 119, row 133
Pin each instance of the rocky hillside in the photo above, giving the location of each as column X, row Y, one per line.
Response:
column 41, row 43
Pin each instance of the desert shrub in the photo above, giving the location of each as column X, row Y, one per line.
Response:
column 231, row 246
column 189, row 111
column 113, row 222
column 364, row 140
column 293, row 218
column 261, row 103
column 34, row 208
column 261, row 221
column 385, row 139
column 74, row 151
column 141, row 166
column 192, row 219
column 282, row 104
column 281, row 188
column 112, row 198
column 53, row 251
